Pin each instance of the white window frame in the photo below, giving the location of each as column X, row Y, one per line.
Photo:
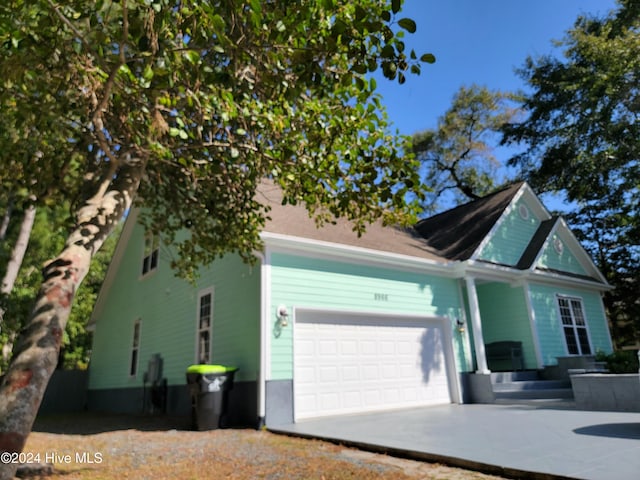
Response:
column 578, row 323
column 151, row 252
column 207, row 330
column 134, row 359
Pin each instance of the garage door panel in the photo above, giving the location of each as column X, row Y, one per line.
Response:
column 349, row 347
column 328, row 374
column 350, row 373
column 328, row 347
column 366, row 363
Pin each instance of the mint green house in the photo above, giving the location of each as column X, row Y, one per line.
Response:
column 329, row 323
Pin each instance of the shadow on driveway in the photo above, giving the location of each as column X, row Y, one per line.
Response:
column 613, row 430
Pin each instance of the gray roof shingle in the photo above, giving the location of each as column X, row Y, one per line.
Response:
column 294, row 220
column 457, row 233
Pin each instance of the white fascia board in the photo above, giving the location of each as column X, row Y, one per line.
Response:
column 490, row 271
column 578, row 250
column 535, row 202
column 561, row 229
column 540, row 276
column 367, row 256
column 503, row 273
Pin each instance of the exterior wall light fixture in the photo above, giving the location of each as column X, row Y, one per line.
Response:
column 283, row 316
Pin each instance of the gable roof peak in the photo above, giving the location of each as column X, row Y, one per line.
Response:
column 456, row 233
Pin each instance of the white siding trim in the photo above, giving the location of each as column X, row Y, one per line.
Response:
column 570, row 297
column 135, row 347
column 489, row 271
column 466, row 342
column 328, row 250
column 265, row 295
column 476, row 323
column 202, row 293
column 606, row 321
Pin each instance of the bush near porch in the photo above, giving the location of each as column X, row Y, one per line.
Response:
column 621, row 361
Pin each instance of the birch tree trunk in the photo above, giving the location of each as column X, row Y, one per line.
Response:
column 13, row 267
column 37, row 347
column 6, row 218
column 17, row 254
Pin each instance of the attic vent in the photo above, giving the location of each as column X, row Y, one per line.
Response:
column 558, row 245
column 524, row 212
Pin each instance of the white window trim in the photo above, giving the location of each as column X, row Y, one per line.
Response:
column 134, row 363
column 148, row 254
column 202, row 293
column 575, row 326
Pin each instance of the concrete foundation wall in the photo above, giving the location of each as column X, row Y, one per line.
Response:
column 66, row 392
column 279, row 395
column 241, row 408
column 617, row 393
column 480, row 389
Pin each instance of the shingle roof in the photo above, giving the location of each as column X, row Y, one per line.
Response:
column 457, row 233
column 294, row 220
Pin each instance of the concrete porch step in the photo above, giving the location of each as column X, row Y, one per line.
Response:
column 538, row 394
column 519, row 376
column 528, row 385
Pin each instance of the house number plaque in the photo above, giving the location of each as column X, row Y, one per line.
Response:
column 381, row 297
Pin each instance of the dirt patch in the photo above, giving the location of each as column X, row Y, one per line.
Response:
column 96, row 447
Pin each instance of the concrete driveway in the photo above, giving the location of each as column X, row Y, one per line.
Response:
column 521, row 441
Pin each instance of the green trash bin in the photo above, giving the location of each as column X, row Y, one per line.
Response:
column 209, row 387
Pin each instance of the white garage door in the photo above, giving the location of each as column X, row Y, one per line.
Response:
column 347, row 363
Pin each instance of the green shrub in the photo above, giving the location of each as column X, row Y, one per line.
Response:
column 622, row 361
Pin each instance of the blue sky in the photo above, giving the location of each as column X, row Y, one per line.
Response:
column 475, row 41
column 481, row 42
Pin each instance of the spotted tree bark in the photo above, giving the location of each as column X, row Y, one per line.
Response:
column 38, row 345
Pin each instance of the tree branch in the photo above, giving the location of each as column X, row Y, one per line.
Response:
column 70, row 25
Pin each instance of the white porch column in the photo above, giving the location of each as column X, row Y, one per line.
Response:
column 476, row 324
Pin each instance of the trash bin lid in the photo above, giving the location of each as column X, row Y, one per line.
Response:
column 204, row 369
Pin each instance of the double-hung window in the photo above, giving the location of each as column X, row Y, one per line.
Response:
column 151, row 250
column 574, row 325
column 204, row 323
column 135, row 348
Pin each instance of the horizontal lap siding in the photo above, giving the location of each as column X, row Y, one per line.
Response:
column 564, row 261
column 511, row 238
column 505, row 316
column 167, row 307
column 549, row 326
column 317, row 283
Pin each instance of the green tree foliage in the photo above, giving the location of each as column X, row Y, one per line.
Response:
column 47, row 239
column 187, row 106
column 458, row 155
column 583, row 139
column 218, row 94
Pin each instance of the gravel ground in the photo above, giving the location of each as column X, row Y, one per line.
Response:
column 96, row 447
